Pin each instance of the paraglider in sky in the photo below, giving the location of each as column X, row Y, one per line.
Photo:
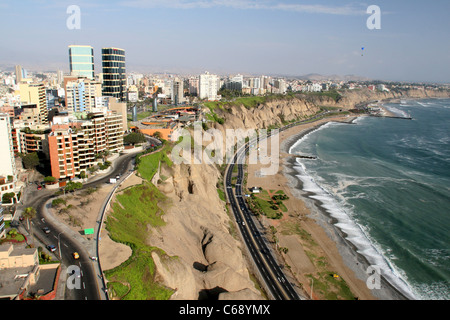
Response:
column 362, row 51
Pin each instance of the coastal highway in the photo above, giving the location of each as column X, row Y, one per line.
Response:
column 276, row 281
column 270, row 271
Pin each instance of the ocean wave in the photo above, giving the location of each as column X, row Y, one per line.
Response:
column 434, row 291
column 306, row 136
column 356, row 234
column 397, row 112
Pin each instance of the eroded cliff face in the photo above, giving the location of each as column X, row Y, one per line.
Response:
column 351, row 98
column 203, row 258
column 272, row 113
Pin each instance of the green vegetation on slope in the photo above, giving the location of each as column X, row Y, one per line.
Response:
column 134, row 213
column 247, row 102
column 147, row 165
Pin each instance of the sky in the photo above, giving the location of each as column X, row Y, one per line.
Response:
column 269, row 37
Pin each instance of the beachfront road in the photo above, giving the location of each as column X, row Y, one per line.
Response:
column 269, row 270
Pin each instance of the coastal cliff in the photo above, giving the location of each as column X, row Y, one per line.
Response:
column 352, row 98
column 209, row 261
column 272, row 113
column 210, row 258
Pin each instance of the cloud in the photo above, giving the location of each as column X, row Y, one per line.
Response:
column 245, row 5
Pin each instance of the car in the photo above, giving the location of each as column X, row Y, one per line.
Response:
column 46, row 230
column 39, row 187
column 76, row 256
column 51, row 247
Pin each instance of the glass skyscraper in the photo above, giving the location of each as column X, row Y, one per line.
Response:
column 81, row 61
column 114, row 74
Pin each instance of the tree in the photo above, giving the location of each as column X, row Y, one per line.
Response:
column 134, row 138
column 29, row 213
column 30, row 160
column 72, row 186
column 50, row 180
column 8, row 197
column 157, row 135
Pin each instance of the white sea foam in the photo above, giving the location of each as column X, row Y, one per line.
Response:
column 398, row 112
column 305, row 137
column 355, row 233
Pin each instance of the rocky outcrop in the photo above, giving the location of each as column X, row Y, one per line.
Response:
column 205, row 260
column 271, row 113
column 351, row 98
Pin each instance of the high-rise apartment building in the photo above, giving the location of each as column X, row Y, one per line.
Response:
column 177, row 94
column 114, row 73
column 81, row 94
column 21, row 73
column 7, row 160
column 81, row 59
column 74, row 144
column 35, row 93
column 208, row 86
column 193, row 86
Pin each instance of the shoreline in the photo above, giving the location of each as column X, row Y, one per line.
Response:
column 308, row 214
column 357, row 262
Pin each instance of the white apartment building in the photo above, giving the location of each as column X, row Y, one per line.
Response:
column 208, row 86
column 8, row 172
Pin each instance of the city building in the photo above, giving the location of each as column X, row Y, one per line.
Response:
column 8, row 172
column 208, row 86
column 235, row 83
column 193, row 86
column 21, row 73
column 75, row 144
column 81, row 94
column 35, row 93
column 114, row 73
column 81, row 60
column 119, row 108
column 177, row 92
column 20, row 271
column 133, row 93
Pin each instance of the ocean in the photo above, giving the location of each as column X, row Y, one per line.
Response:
column 387, row 183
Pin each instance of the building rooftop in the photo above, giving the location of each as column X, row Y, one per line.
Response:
column 12, row 280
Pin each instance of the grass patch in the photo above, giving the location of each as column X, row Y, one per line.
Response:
column 149, row 164
column 247, row 102
column 331, row 288
column 221, row 195
column 264, row 202
column 135, row 211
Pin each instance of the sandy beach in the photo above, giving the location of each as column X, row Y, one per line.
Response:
column 315, row 249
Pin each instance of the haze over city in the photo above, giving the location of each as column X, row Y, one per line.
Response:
column 238, row 36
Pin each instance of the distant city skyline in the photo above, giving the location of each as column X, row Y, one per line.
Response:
column 290, row 38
